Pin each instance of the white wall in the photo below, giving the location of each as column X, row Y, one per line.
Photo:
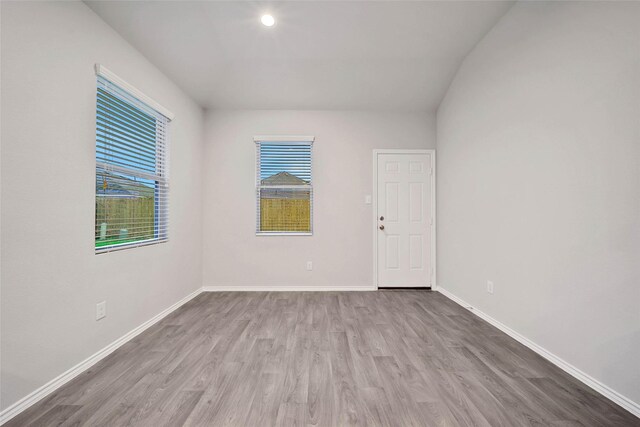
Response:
column 539, row 182
column 51, row 278
column 341, row 247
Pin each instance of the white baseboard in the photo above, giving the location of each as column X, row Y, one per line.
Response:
column 588, row 380
column 290, row 288
column 67, row 376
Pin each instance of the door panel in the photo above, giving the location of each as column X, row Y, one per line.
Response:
column 416, row 211
column 391, row 201
column 415, row 252
column 404, row 212
column 392, row 252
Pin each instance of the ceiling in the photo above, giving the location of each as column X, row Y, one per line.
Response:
column 361, row 55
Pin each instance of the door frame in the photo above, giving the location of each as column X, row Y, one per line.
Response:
column 374, row 196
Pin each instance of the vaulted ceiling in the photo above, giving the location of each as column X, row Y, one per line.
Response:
column 378, row 55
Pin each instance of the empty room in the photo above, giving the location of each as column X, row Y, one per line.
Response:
column 319, row 213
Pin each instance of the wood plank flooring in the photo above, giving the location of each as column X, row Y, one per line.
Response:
column 386, row 358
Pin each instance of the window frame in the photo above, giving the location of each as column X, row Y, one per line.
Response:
column 161, row 176
column 284, row 140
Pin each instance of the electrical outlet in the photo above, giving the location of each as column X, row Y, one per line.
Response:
column 490, row 286
column 309, row 265
column 367, row 199
column 101, row 310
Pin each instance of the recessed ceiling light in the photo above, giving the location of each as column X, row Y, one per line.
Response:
column 268, row 20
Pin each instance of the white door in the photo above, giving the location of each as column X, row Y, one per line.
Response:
column 404, row 220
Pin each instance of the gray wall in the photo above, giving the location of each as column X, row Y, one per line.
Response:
column 539, row 182
column 342, row 247
column 51, row 278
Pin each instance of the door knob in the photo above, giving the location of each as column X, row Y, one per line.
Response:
column 381, row 218
column 381, row 227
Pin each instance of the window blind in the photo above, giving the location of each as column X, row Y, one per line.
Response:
column 132, row 183
column 284, row 187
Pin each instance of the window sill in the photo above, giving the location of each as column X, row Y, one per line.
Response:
column 122, row 246
column 283, row 233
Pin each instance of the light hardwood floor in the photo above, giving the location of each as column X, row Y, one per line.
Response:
column 392, row 358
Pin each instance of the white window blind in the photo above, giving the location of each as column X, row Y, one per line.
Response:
column 284, row 185
column 132, row 183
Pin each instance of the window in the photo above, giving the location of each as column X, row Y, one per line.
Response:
column 132, row 185
column 284, row 187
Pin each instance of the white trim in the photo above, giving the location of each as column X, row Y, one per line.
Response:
column 42, row 392
column 374, row 204
column 404, row 150
column 103, row 71
column 306, row 139
column 287, row 288
column 434, row 284
column 585, row 378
